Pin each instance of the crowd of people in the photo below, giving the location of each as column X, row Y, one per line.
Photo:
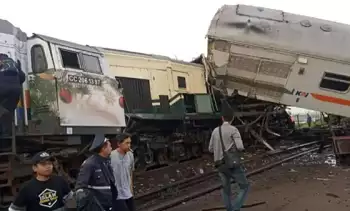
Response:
column 104, row 181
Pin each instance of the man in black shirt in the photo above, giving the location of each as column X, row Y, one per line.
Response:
column 44, row 192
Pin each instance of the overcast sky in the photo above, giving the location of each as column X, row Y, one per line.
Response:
column 174, row 28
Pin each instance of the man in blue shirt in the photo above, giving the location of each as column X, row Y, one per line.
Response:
column 308, row 120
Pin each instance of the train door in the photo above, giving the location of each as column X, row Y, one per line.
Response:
column 159, row 83
column 180, row 86
column 42, row 107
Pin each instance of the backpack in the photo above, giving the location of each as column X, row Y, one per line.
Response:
column 7, row 64
column 11, row 68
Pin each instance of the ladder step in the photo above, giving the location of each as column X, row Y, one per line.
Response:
column 6, row 153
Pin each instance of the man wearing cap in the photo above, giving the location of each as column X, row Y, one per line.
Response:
column 122, row 161
column 95, row 182
column 44, row 192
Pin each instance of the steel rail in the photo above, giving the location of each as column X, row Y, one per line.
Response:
column 178, row 200
column 208, row 174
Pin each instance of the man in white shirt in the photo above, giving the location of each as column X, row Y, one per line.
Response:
column 122, row 162
column 233, row 144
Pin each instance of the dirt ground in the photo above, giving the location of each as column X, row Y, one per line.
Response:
column 311, row 183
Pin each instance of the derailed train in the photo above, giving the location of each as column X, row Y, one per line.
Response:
column 172, row 108
column 281, row 58
column 259, row 60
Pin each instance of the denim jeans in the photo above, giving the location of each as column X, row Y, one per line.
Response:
column 237, row 175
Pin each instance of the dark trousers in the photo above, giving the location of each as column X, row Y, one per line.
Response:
column 238, row 175
column 9, row 98
column 126, row 204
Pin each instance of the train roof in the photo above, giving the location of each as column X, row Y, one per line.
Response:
column 67, row 43
column 281, row 30
column 145, row 55
column 8, row 28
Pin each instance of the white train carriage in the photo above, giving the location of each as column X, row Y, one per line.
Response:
column 281, row 58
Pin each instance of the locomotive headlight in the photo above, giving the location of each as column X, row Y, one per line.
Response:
column 302, row 60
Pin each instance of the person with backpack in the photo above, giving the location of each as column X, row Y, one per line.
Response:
column 45, row 192
column 226, row 144
column 11, row 79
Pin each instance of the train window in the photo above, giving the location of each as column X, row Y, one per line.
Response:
column 336, row 82
column 181, row 82
column 91, row 64
column 70, row 59
column 39, row 63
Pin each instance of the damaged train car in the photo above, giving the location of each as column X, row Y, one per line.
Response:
column 278, row 58
column 281, row 58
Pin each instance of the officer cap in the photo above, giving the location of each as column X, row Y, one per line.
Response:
column 98, row 141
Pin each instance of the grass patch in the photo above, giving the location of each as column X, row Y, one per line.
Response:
column 317, row 123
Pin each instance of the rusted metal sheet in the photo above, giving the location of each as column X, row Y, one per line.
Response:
column 342, row 145
column 341, row 140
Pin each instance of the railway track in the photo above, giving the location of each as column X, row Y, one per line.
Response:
column 187, row 189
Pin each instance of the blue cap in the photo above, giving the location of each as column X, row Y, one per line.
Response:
column 98, row 141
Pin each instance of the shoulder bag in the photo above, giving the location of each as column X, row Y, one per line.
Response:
column 231, row 159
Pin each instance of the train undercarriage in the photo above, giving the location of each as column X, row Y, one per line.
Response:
column 162, row 139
